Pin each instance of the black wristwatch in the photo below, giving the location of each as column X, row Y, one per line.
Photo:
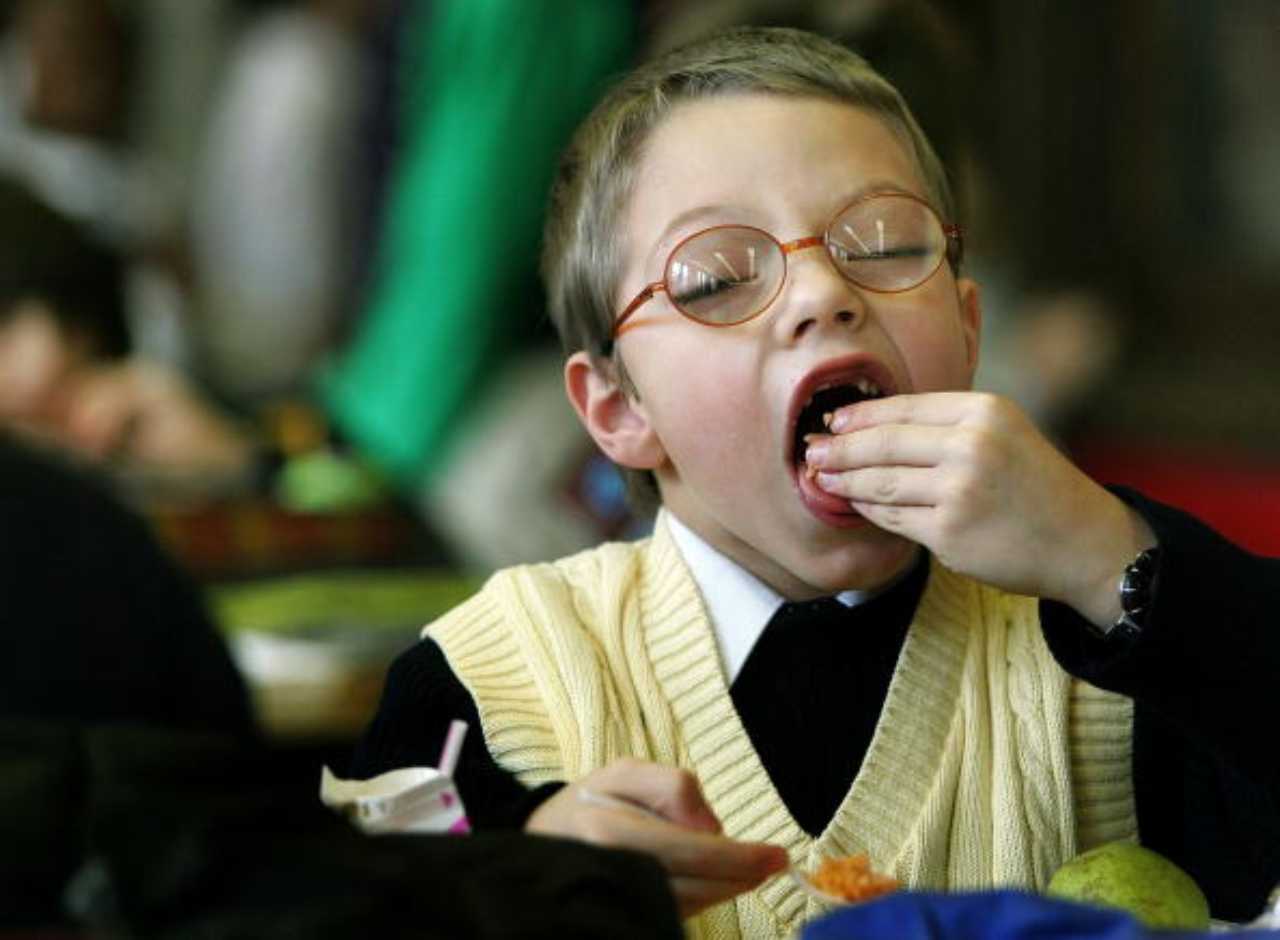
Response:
column 1137, row 593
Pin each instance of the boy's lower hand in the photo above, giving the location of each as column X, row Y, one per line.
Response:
column 968, row 475
column 646, row 807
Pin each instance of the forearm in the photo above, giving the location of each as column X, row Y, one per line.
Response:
column 1116, row 536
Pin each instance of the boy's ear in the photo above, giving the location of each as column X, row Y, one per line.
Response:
column 970, row 319
column 616, row 421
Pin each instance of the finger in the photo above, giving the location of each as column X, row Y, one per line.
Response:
column 99, row 423
column 672, row 793
column 937, row 408
column 885, row 444
column 693, row 895
column 912, row 522
column 102, row 408
column 685, row 852
column 899, row 486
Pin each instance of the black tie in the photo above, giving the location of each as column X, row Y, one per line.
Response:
column 811, row 691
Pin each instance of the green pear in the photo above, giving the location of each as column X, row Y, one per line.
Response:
column 1142, row 882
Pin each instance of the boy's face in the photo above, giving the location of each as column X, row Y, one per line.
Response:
column 719, row 404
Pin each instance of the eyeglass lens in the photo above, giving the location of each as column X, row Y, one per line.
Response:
column 725, row 275
column 731, row 273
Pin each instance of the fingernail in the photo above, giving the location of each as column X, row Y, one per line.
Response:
column 817, row 452
column 839, row 421
column 828, row 480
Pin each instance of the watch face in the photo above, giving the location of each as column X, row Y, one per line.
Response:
column 1137, row 589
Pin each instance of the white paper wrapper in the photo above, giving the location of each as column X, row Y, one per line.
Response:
column 411, row 799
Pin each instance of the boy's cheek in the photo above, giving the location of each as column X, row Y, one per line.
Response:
column 943, row 361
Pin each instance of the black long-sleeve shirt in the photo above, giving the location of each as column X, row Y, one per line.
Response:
column 1204, row 678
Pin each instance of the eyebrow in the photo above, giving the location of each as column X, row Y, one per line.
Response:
column 698, row 213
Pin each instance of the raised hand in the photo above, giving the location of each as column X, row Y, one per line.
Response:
column 968, row 475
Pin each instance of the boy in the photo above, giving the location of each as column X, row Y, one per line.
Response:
column 750, row 258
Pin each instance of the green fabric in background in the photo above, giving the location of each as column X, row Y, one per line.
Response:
column 492, row 91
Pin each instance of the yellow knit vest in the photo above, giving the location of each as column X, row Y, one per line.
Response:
column 989, row 765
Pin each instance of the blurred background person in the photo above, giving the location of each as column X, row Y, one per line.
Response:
column 105, row 108
column 65, row 81
column 450, row 332
column 280, row 182
column 65, row 377
column 77, row 128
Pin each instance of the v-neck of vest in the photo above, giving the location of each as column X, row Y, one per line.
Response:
column 888, row 794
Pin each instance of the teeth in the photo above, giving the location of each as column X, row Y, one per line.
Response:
column 864, row 385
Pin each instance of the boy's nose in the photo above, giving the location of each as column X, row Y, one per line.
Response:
column 817, row 298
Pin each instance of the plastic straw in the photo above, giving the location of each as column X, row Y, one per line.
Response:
column 452, row 747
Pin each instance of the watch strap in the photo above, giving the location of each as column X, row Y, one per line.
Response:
column 1137, row 594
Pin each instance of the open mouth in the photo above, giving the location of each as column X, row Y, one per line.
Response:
column 827, row 388
column 826, row 399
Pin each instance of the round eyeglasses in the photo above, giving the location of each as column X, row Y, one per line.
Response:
column 728, row 274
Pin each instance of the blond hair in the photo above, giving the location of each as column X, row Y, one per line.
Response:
column 584, row 244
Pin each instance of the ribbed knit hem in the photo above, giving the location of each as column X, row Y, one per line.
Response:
column 481, row 648
column 1102, row 766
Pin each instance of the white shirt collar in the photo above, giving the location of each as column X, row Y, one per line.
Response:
column 739, row 604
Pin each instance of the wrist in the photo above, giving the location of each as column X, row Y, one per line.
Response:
column 1118, row 543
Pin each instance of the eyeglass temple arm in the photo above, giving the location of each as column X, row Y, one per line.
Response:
column 606, row 348
column 955, row 245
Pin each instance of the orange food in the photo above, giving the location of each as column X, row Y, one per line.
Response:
column 852, row 878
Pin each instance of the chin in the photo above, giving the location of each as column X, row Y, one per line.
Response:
column 863, row 565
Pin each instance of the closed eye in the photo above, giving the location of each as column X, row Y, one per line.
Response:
column 849, row 255
column 710, row 287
